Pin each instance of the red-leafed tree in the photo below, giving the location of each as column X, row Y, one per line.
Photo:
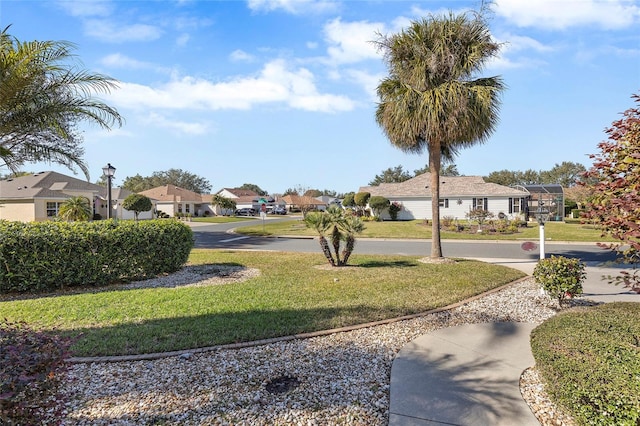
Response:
column 615, row 204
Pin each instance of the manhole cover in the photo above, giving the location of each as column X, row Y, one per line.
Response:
column 529, row 246
column 282, row 384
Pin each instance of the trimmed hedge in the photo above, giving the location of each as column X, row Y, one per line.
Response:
column 590, row 361
column 44, row 256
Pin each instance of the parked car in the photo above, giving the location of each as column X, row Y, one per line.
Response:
column 279, row 210
column 246, row 212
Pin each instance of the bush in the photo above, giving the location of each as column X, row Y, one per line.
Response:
column 31, row 366
column 560, row 276
column 394, row 209
column 46, row 256
column 589, row 359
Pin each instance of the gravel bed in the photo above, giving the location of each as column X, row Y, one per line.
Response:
column 338, row 379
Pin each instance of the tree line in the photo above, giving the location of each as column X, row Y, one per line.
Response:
column 567, row 174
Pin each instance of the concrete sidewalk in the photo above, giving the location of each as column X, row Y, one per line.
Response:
column 469, row 375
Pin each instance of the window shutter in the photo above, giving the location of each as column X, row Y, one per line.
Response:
column 510, row 205
column 475, row 203
column 446, row 203
column 486, row 204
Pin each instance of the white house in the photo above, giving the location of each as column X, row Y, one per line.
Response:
column 458, row 195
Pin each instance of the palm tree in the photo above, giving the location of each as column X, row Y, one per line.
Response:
column 75, row 209
column 431, row 99
column 340, row 228
column 42, row 99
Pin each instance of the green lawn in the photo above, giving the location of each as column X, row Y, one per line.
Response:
column 292, row 295
column 416, row 229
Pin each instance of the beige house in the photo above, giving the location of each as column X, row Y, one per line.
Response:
column 458, row 195
column 172, row 200
column 38, row 197
column 303, row 203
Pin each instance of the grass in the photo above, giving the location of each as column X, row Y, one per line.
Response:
column 291, row 295
column 417, row 229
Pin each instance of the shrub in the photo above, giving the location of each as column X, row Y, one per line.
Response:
column 589, row 359
column 45, row 256
column 31, row 366
column 447, row 221
column 394, row 209
column 378, row 204
column 560, row 276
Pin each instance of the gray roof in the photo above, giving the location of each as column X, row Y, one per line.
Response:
column 450, row 186
column 44, row 185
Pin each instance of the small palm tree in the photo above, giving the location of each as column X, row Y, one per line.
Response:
column 341, row 230
column 75, row 209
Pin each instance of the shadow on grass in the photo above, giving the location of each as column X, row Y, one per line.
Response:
column 387, row 264
column 173, row 334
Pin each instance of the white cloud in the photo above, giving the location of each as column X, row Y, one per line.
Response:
column 241, row 56
column 368, row 81
column 561, row 14
column 275, row 84
column 86, row 7
column 115, row 33
column 118, row 60
column 182, row 40
column 351, row 42
column 182, row 127
column 295, row 7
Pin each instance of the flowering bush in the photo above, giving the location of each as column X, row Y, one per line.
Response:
column 394, row 208
column 560, row 276
column 31, row 365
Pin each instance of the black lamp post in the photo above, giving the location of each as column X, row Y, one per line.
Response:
column 108, row 171
column 542, row 214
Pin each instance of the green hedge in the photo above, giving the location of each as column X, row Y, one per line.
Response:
column 46, row 256
column 590, row 361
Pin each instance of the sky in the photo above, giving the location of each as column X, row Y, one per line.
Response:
column 282, row 93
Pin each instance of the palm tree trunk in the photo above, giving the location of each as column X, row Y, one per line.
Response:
column 335, row 239
column 435, row 155
column 324, row 244
column 348, row 249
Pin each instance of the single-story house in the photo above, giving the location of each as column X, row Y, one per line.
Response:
column 545, row 197
column 172, row 200
column 458, row 195
column 303, row 203
column 38, row 197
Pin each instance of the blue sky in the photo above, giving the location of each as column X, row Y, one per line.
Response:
column 281, row 93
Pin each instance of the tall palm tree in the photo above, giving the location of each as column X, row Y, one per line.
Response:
column 43, row 99
column 75, row 209
column 431, row 100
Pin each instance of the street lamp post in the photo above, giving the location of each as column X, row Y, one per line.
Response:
column 542, row 214
column 109, row 171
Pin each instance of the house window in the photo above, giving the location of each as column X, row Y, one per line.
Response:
column 444, row 203
column 52, row 208
column 515, row 205
column 179, row 207
column 187, row 208
column 480, row 204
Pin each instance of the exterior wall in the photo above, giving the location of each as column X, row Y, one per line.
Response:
column 458, row 207
column 22, row 210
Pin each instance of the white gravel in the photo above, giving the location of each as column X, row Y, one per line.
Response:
column 338, row 379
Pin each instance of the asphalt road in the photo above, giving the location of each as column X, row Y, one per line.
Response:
column 220, row 236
